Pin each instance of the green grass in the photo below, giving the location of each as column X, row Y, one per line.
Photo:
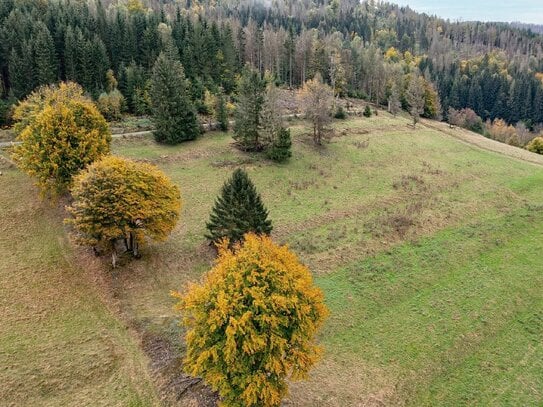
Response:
column 60, row 343
column 427, row 249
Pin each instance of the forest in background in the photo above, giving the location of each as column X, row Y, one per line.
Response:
column 367, row 50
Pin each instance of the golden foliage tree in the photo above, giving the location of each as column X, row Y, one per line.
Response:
column 252, row 322
column 118, row 199
column 61, row 132
column 501, row 131
column 536, row 145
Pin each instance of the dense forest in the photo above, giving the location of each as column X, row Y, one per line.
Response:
column 368, row 50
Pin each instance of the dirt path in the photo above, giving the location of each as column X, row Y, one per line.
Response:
column 484, row 143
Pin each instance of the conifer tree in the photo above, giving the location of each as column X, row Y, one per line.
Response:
column 44, row 57
column 221, row 113
column 238, row 210
column 173, row 112
column 279, row 149
column 248, row 114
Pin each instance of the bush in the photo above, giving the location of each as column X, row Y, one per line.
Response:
column 115, row 198
column 536, row 145
column 467, row 119
column 279, row 149
column 367, row 111
column 340, row 113
column 252, row 322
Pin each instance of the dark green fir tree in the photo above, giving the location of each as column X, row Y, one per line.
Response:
column 248, row 115
column 221, row 112
column 238, row 210
column 279, row 149
column 174, row 115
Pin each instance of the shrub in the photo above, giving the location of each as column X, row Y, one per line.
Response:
column 340, row 113
column 467, row 119
column 237, row 211
column 536, row 145
column 115, row 198
column 367, row 111
column 252, row 322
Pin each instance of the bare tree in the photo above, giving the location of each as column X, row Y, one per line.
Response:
column 316, row 99
column 415, row 97
column 394, row 103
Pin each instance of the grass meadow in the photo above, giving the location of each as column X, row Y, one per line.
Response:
column 428, row 249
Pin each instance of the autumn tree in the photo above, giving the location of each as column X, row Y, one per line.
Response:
column 238, row 210
column 118, row 199
column 173, row 112
column 432, row 102
column 252, row 322
column 276, row 137
column 465, row 118
column 501, row 131
column 536, row 145
column 316, row 99
column 415, row 97
column 61, row 132
column 394, row 102
column 248, row 114
column 210, row 103
column 111, row 104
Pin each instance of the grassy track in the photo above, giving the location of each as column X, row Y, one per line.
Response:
column 427, row 248
column 59, row 343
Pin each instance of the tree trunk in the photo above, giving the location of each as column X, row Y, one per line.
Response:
column 135, row 245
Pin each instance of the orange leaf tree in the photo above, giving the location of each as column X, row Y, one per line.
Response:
column 115, row 199
column 252, row 322
column 61, row 132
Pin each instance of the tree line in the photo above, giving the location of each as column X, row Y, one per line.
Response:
column 368, row 50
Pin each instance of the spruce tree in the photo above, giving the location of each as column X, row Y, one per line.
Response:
column 45, row 59
column 221, row 114
column 279, row 149
column 173, row 112
column 248, row 115
column 238, row 210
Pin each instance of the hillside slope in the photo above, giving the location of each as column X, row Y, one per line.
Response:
column 60, row 344
column 427, row 248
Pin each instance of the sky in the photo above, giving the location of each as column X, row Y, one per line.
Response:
column 526, row 11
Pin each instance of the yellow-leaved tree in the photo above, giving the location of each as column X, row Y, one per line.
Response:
column 61, row 132
column 252, row 323
column 116, row 199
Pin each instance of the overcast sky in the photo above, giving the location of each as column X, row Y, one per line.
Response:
column 526, row 11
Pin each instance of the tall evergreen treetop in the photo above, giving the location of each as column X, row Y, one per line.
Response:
column 173, row 112
column 238, row 210
column 248, row 116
